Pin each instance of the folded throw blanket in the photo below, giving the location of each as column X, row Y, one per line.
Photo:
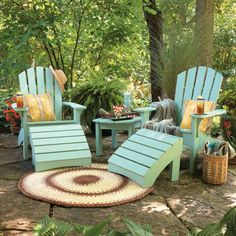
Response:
column 164, row 119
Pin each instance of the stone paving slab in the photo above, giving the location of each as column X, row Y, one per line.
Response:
column 174, row 207
column 227, row 190
column 198, row 212
column 196, row 203
column 17, row 233
column 10, row 155
column 149, row 210
column 8, row 141
column 18, row 212
column 15, row 170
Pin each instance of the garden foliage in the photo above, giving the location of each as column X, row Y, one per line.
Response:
column 98, row 92
column 78, row 37
column 227, row 98
column 109, row 37
column 10, row 114
column 49, row 227
column 225, row 227
column 5, row 94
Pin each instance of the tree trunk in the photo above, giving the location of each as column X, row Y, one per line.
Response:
column 204, row 31
column 154, row 24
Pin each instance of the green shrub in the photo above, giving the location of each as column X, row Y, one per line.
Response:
column 215, row 126
column 227, row 97
column 4, row 95
column 98, row 92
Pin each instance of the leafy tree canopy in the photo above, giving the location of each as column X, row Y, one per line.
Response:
column 86, row 36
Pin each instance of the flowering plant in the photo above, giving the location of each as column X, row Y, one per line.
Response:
column 229, row 132
column 227, row 126
column 118, row 110
column 10, row 114
column 227, row 97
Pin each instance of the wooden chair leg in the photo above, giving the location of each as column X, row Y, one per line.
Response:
column 174, row 169
column 195, row 144
column 26, row 144
column 193, row 160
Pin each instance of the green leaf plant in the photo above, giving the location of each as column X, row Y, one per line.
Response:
column 225, row 227
column 98, row 92
column 227, row 98
column 50, row 227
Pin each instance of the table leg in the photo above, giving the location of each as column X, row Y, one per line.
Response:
column 130, row 130
column 98, row 140
column 114, row 138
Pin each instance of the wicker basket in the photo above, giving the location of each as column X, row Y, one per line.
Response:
column 214, row 168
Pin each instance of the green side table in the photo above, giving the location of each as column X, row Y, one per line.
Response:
column 114, row 126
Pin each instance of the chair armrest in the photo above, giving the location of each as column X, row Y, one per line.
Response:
column 196, row 119
column 210, row 114
column 74, row 105
column 186, row 131
column 77, row 110
column 144, row 109
column 23, row 114
column 144, row 113
column 23, row 109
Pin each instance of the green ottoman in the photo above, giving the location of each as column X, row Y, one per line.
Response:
column 56, row 146
column 145, row 154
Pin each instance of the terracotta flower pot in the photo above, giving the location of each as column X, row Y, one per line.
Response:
column 15, row 127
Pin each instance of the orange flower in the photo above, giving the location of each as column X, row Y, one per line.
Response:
column 10, row 114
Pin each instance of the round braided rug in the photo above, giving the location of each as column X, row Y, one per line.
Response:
column 81, row 186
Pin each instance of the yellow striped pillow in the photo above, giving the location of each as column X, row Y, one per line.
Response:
column 190, row 108
column 40, row 107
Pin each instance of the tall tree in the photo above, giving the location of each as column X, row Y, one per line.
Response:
column 79, row 37
column 154, row 24
column 204, row 31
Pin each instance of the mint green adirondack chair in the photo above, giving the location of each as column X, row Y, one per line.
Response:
column 40, row 80
column 190, row 84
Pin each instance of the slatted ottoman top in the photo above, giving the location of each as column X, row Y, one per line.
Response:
column 59, row 146
column 145, row 154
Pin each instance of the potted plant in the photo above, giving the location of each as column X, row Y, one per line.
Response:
column 12, row 116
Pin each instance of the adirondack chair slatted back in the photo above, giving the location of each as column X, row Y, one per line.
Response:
column 39, row 80
column 194, row 82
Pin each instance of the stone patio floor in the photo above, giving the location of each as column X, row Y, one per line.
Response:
column 172, row 209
